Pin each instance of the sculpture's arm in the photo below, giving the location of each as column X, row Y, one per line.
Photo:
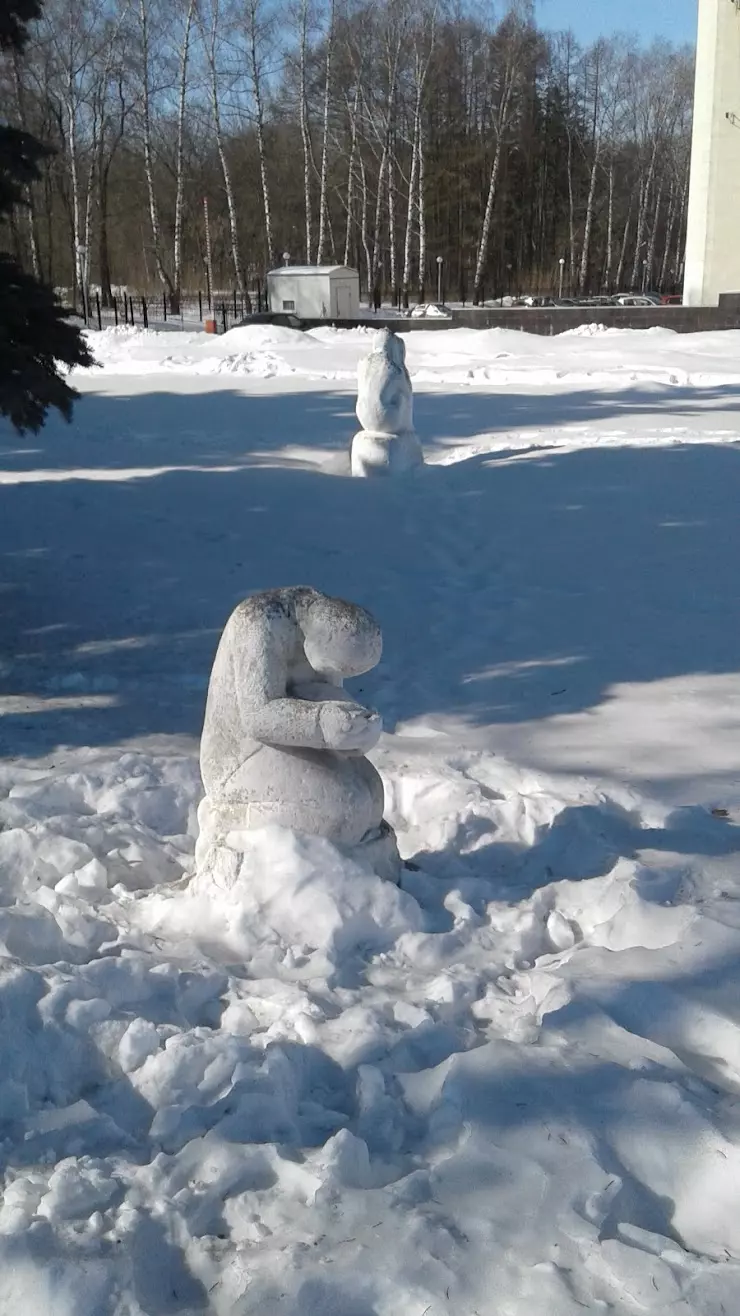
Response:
column 260, row 653
column 286, row 722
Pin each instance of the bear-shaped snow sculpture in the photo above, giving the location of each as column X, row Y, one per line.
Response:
column 387, row 443
column 283, row 743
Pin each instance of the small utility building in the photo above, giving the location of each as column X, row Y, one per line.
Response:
column 315, row 292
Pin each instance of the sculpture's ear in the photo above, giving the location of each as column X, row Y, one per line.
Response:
column 383, row 341
column 394, row 349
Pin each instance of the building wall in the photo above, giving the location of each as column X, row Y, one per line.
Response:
column 314, row 296
column 713, row 242
column 309, row 293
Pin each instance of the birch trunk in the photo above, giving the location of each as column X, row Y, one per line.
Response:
column 609, row 231
column 415, row 204
column 571, row 216
column 364, row 233
column 162, row 274
column 480, row 264
column 180, row 155
column 393, row 271
column 351, row 175
column 678, row 262
column 422, row 214
column 325, row 138
column 501, row 127
column 212, row 50
column 256, row 76
column 406, row 276
column 306, row 135
column 623, row 252
column 670, row 225
column 645, row 190
column 379, row 214
column 75, row 184
column 654, row 233
column 104, row 269
column 586, row 252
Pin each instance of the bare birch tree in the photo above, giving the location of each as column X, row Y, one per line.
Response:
column 325, row 133
column 257, row 31
column 163, row 274
column 513, row 40
column 211, row 33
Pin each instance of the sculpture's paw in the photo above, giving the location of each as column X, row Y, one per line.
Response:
column 349, row 727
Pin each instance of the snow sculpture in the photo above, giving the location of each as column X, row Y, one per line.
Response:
column 387, row 443
column 283, row 743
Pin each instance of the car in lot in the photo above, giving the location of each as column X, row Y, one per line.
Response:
column 431, row 311
column 635, row 299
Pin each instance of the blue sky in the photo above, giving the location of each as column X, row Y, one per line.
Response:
column 590, row 19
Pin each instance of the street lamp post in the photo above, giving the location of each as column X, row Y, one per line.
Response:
column 644, row 274
column 286, row 258
column 440, row 263
column 562, row 275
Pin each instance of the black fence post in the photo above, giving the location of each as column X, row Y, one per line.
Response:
column 144, row 315
column 97, row 308
column 223, row 314
column 131, row 309
column 200, row 305
column 235, row 310
column 115, row 310
column 164, row 307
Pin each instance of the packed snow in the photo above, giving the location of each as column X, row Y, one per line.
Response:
column 510, row 1087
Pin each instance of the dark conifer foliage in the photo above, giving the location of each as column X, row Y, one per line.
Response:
column 36, row 338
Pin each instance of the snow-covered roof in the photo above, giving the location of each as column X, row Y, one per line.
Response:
column 313, row 269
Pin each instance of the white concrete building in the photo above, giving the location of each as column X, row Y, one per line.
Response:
column 713, row 240
column 328, row 292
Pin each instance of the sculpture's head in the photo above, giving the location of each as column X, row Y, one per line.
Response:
column 389, row 345
column 340, row 638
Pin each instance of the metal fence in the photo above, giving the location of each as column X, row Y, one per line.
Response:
column 223, row 310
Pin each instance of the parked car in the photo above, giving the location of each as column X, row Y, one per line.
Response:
column 431, row 311
column 634, row 299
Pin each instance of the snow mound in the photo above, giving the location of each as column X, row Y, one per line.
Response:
column 256, row 337
column 290, row 896
column 588, row 331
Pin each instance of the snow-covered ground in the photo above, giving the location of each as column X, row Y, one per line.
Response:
column 511, row 1088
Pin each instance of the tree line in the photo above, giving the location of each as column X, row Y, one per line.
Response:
column 403, row 138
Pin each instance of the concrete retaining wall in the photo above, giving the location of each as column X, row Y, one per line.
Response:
column 555, row 320
column 549, row 320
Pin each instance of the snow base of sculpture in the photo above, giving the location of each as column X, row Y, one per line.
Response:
column 385, row 454
column 220, row 848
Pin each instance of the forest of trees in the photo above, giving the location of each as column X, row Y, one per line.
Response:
column 383, row 134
